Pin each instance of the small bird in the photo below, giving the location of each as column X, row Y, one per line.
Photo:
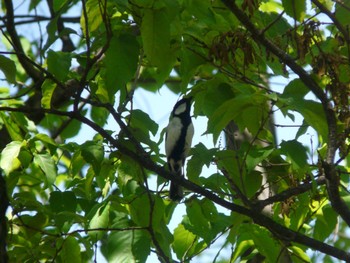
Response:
column 179, row 134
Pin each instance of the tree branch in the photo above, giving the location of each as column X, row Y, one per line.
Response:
column 328, row 165
column 141, row 157
column 16, row 43
column 67, row 43
column 336, row 22
column 302, row 188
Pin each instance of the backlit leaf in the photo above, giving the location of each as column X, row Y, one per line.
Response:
column 71, row 250
column 47, row 165
column 8, row 67
column 295, row 8
column 9, row 155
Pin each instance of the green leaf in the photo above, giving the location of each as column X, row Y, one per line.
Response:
column 263, row 241
column 232, row 109
column 12, row 127
column 99, row 115
column 120, row 62
column 295, row 9
column 71, row 250
column 326, row 3
column 302, row 130
column 140, row 211
column 8, row 67
column 252, row 183
column 256, row 155
column 211, row 94
column 48, row 88
column 9, row 156
column 296, row 152
column 342, row 12
column 190, row 61
column 155, row 32
column 183, row 241
column 313, row 114
column 200, row 156
column 127, row 246
column 299, row 254
column 242, row 246
column 326, row 223
column 73, row 128
column 47, row 165
column 63, row 201
column 197, row 220
column 58, row 4
column 99, row 220
column 295, row 89
column 93, row 153
column 141, row 120
column 94, row 16
column 59, row 63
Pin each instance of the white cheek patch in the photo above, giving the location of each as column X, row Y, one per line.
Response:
column 173, row 134
column 180, row 109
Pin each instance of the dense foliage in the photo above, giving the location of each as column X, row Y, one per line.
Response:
column 68, row 65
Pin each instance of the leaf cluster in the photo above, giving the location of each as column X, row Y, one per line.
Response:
column 267, row 200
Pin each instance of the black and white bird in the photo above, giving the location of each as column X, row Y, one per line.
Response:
column 179, row 134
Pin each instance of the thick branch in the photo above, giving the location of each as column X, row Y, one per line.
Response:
column 68, row 45
column 10, row 26
column 145, row 161
column 289, row 193
column 332, row 179
column 336, row 22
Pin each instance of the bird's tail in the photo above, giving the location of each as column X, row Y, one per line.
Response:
column 175, row 192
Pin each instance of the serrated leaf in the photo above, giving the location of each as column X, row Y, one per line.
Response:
column 47, row 165
column 8, row 67
column 8, row 156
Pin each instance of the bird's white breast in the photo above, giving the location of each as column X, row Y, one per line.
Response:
column 173, row 134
